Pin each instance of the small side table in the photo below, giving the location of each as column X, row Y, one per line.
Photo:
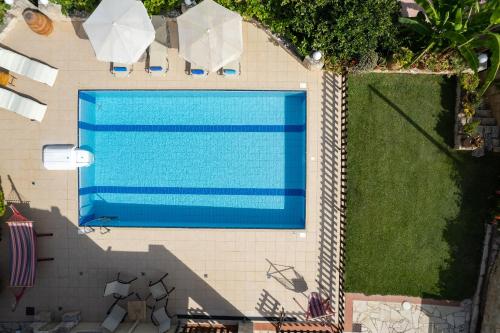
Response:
column 137, row 312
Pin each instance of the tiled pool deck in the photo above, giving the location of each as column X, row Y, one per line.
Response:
column 216, row 272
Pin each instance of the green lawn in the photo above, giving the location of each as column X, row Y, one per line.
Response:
column 415, row 207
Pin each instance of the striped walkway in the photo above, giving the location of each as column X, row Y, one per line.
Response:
column 333, row 191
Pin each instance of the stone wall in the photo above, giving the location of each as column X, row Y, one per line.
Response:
column 493, row 95
column 491, row 317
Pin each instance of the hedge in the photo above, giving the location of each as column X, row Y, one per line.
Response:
column 345, row 31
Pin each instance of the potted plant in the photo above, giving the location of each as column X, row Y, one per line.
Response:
column 2, row 204
column 400, row 59
column 471, row 138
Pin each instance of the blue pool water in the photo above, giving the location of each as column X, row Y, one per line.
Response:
column 211, row 159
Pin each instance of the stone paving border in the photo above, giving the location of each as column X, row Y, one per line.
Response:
column 351, row 297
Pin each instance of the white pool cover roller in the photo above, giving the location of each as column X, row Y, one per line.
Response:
column 65, row 157
column 119, row 30
column 210, row 36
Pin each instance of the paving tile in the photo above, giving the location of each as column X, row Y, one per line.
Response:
column 233, row 260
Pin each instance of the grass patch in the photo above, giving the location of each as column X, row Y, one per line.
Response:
column 415, row 207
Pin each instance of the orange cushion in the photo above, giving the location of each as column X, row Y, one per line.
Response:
column 4, row 78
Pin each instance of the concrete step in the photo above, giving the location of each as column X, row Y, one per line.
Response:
column 486, row 113
column 488, row 121
column 490, row 131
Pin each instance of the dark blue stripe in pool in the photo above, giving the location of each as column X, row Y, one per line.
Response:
column 193, row 190
column 192, row 128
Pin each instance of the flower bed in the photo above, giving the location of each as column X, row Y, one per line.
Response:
column 475, row 127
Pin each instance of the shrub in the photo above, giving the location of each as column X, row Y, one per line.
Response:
column 343, row 31
column 70, row 7
column 463, row 26
column 155, row 7
column 367, row 62
column 469, row 109
column 438, row 62
column 469, row 81
column 402, row 57
column 3, row 9
column 471, row 128
column 2, row 204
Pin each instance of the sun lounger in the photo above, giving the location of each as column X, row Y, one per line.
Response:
column 115, row 316
column 23, row 106
column 119, row 288
column 160, row 318
column 120, row 70
column 196, row 70
column 231, row 69
column 35, row 70
column 158, row 290
column 158, row 61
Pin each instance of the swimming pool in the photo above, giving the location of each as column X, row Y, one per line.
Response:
column 193, row 159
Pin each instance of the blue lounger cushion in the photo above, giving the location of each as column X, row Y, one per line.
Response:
column 155, row 68
column 120, row 69
column 230, row 71
column 197, row 72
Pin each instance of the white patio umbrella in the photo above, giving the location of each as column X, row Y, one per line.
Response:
column 119, row 30
column 210, row 35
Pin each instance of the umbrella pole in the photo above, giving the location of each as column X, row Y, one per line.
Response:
column 17, row 297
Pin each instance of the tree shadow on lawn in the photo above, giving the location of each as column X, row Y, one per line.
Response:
column 446, row 117
column 419, row 128
column 464, row 234
column 473, row 178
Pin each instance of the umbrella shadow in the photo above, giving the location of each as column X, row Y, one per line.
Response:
column 79, row 31
column 173, row 34
column 287, row 276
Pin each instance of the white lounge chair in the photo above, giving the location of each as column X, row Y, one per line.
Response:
column 231, row 69
column 119, row 288
column 161, row 319
column 114, row 318
column 158, row 60
column 121, row 70
column 23, row 106
column 158, row 290
column 35, row 70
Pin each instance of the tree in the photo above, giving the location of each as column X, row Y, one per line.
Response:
column 464, row 25
column 345, row 31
